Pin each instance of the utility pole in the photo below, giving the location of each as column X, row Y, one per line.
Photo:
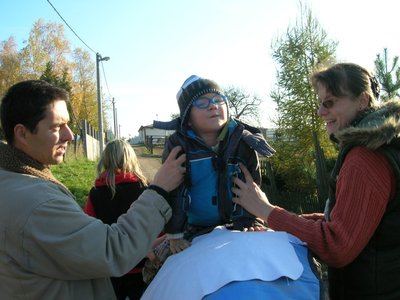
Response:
column 115, row 118
column 99, row 103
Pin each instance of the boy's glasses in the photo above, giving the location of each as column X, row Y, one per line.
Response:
column 204, row 102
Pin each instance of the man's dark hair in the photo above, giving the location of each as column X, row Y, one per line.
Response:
column 25, row 103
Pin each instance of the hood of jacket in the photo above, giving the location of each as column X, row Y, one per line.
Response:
column 119, row 178
column 379, row 127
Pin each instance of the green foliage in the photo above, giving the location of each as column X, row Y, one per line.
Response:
column 388, row 75
column 298, row 203
column 297, row 53
column 50, row 76
column 78, row 175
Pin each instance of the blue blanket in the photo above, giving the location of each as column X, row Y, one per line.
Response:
column 307, row 287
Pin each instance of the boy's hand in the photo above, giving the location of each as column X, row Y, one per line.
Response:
column 177, row 245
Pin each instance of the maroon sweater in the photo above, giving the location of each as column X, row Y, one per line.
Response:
column 365, row 185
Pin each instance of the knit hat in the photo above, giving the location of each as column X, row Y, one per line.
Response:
column 191, row 89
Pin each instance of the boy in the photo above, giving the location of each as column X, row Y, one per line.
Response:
column 214, row 144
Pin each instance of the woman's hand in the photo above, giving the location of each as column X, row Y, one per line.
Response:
column 249, row 195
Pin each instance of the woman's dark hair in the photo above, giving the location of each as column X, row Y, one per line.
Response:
column 25, row 103
column 347, row 79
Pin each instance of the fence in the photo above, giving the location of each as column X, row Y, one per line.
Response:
column 75, row 150
column 291, row 201
column 295, row 202
column 90, row 139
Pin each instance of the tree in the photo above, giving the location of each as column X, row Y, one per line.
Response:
column 297, row 53
column 10, row 65
column 243, row 105
column 84, row 99
column 388, row 76
column 46, row 43
column 60, row 81
column 175, row 115
column 47, row 55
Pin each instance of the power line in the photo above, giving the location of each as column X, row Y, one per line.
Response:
column 66, row 23
column 70, row 27
column 98, row 59
column 105, row 78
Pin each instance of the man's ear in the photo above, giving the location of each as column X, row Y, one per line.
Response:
column 20, row 132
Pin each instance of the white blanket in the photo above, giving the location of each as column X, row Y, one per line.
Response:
column 222, row 256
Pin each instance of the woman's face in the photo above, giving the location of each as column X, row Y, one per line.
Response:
column 337, row 112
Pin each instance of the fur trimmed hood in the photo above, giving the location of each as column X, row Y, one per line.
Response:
column 377, row 128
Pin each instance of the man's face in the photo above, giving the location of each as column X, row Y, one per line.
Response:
column 49, row 142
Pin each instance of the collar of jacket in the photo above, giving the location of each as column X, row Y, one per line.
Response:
column 375, row 129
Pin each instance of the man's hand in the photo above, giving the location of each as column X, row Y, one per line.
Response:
column 170, row 175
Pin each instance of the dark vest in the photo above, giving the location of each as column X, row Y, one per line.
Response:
column 108, row 210
column 375, row 273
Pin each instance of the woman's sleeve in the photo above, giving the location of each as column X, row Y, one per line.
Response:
column 365, row 185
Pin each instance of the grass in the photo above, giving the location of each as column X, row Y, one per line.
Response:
column 78, row 175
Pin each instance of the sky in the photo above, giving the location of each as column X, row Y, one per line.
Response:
column 154, row 45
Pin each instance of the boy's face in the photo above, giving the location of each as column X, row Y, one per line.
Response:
column 208, row 120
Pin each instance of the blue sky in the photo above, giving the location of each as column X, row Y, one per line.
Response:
column 154, row 45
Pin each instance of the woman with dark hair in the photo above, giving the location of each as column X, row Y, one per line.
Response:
column 358, row 236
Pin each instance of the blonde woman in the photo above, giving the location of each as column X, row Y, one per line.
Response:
column 119, row 182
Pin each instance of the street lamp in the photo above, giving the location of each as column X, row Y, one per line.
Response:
column 99, row 104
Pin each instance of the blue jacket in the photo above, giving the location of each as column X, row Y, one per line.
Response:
column 205, row 198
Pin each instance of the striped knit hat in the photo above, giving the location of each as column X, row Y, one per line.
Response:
column 191, row 89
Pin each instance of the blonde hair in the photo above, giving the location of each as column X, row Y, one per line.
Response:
column 119, row 156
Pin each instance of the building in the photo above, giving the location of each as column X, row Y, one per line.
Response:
column 156, row 135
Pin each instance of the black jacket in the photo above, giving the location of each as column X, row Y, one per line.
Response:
column 375, row 273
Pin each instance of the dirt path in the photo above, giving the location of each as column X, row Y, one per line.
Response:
column 148, row 163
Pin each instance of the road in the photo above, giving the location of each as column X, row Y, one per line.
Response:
column 148, row 163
